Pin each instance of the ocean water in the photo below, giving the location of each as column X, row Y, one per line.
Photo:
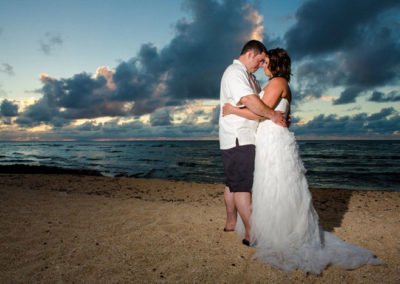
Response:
column 360, row 165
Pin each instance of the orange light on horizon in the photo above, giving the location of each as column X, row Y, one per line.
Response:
column 36, row 138
column 155, row 139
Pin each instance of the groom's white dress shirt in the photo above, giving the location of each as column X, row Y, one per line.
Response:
column 235, row 84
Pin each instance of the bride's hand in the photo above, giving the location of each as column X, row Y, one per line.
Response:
column 227, row 109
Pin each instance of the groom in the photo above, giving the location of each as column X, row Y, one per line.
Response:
column 237, row 135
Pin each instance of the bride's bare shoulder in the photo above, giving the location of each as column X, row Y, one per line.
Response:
column 279, row 80
column 279, row 85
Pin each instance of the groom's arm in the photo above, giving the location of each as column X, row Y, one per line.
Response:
column 254, row 103
column 244, row 112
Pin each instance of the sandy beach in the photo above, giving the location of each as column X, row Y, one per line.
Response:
column 95, row 229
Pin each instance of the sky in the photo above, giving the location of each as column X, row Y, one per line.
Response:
column 151, row 69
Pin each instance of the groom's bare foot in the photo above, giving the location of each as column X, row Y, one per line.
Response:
column 230, row 225
column 229, row 230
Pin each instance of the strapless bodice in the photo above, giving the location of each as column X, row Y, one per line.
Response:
column 283, row 105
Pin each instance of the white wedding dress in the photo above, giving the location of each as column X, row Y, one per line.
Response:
column 284, row 223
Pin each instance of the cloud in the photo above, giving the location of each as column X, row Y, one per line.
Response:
column 393, row 96
column 189, row 67
column 161, row 117
column 50, row 41
column 7, row 69
column 348, row 96
column 215, row 115
column 89, row 126
column 382, row 124
column 64, row 100
column 325, row 27
column 8, row 108
column 316, row 77
column 377, row 125
column 116, row 129
column 354, row 46
column 358, row 56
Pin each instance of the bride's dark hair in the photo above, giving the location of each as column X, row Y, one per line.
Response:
column 279, row 63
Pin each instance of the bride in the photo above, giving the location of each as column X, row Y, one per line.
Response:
column 284, row 223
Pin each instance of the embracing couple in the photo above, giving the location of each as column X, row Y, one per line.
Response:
column 267, row 199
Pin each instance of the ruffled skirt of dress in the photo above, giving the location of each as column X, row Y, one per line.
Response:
column 284, row 223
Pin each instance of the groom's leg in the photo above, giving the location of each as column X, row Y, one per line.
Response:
column 231, row 212
column 239, row 167
column 243, row 205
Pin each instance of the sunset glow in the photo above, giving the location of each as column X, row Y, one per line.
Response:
column 141, row 78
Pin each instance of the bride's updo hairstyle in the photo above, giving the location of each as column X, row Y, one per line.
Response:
column 279, row 63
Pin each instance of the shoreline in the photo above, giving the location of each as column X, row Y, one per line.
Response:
column 73, row 228
column 44, row 169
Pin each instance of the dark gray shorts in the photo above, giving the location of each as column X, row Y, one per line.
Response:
column 239, row 167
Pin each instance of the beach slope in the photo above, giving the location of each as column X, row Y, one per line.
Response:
column 78, row 228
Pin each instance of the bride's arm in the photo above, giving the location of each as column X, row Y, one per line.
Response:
column 243, row 112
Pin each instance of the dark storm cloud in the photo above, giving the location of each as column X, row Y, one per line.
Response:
column 189, row 67
column 385, row 122
column 192, row 64
column 8, row 108
column 204, row 48
column 63, row 100
column 7, row 69
column 80, row 96
column 324, row 26
column 348, row 96
column 315, row 77
column 357, row 40
column 380, row 97
column 160, row 117
column 49, row 42
column 42, row 111
column 385, row 112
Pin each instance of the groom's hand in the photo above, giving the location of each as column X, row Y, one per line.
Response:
column 227, row 109
column 289, row 120
column 279, row 119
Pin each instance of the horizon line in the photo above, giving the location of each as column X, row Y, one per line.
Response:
column 185, row 139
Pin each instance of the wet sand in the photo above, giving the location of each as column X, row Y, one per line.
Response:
column 79, row 228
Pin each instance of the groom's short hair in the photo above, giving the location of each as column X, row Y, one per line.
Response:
column 256, row 46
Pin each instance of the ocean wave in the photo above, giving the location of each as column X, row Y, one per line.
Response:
column 330, row 164
column 187, row 164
